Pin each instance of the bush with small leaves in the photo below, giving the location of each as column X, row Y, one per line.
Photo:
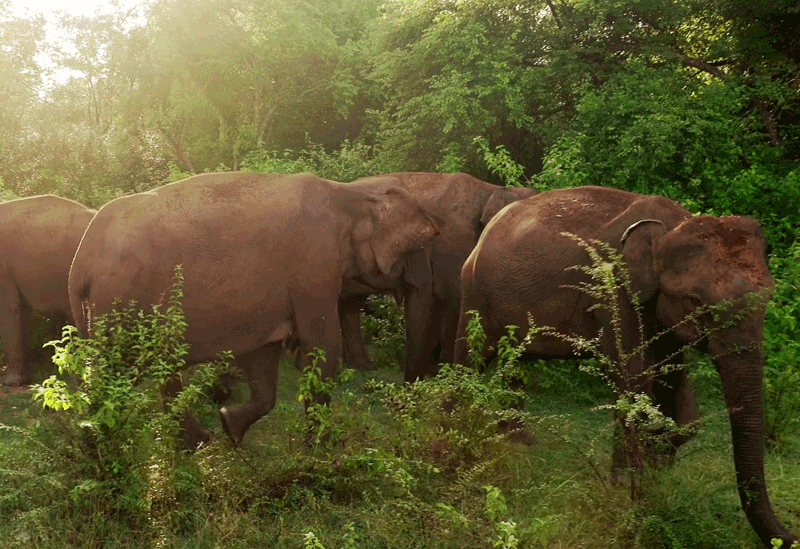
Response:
column 122, row 446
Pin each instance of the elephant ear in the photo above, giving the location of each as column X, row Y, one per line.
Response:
column 501, row 198
column 639, row 243
column 399, row 226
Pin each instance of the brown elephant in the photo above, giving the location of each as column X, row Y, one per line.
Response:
column 464, row 205
column 264, row 261
column 676, row 262
column 38, row 237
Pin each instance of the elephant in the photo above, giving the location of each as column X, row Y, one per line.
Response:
column 464, row 205
column 264, row 260
column 676, row 262
column 38, row 237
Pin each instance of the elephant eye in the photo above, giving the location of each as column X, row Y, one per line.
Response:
column 695, row 301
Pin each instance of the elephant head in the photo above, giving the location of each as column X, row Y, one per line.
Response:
column 705, row 261
column 394, row 228
column 502, row 197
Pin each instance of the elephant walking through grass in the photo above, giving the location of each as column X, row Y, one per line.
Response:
column 264, row 260
column 679, row 267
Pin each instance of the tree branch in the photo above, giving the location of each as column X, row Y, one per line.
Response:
column 704, row 66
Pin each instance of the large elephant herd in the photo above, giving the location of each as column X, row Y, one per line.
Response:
column 270, row 260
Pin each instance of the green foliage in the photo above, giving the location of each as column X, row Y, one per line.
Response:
column 452, row 71
column 643, row 132
column 275, row 162
column 6, row 194
column 501, row 164
column 458, row 415
column 384, row 486
column 124, row 448
column 315, row 392
column 384, row 327
column 496, row 508
column 664, row 131
column 350, row 161
column 782, row 349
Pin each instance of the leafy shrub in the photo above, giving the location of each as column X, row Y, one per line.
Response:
column 122, row 450
column 384, row 328
column 782, row 349
column 500, row 163
column 350, row 161
column 6, row 194
column 460, row 416
column 276, row 162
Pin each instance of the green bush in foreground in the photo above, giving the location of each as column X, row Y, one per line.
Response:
column 119, row 444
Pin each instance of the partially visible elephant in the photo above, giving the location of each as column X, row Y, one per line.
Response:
column 264, row 260
column 38, row 237
column 464, row 205
column 677, row 263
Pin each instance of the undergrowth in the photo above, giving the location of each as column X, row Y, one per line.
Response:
column 384, row 464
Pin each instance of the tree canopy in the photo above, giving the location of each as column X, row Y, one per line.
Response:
column 696, row 100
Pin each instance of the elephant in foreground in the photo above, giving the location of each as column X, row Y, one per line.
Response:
column 38, row 237
column 677, row 263
column 464, row 205
column 264, row 259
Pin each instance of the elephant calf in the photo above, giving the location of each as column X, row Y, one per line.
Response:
column 265, row 258
column 676, row 262
column 38, row 237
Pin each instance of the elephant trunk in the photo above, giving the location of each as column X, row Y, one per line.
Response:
column 741, row 375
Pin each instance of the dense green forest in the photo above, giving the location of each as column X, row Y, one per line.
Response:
column 695, row 100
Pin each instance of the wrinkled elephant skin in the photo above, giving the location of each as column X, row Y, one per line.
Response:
column 462, row 205
column 676, row 262
column 264, row 258
column 38, row 237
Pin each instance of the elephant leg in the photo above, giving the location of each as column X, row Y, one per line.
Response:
column 261, row 369
column 354, row 351
column 13, row 313
column 515, row 429
column 318, row 327
column 192, row 433
column 422, row 319
column 449, row 329
column 675, row 398
column 222, row 389
column 320, row 331
column 57, row 322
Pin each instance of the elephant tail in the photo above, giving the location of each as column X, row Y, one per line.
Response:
column 86, row 318
column 79, row 291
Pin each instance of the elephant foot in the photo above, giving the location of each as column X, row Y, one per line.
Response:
column 222, row 389
column 193, row 434
column 14, row 379
column 195, row 438
column 235, row 435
